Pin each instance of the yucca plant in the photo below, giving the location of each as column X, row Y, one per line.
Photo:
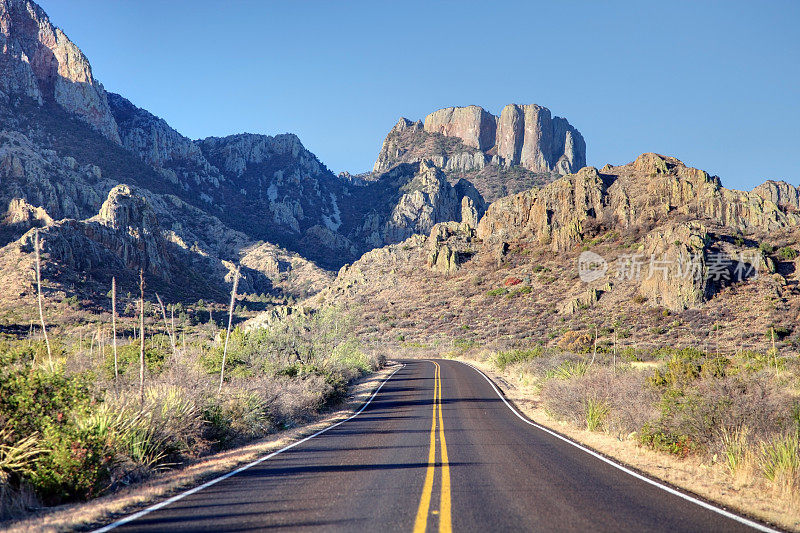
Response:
column 596, row 412
column 568, row 370
column 17, row 457
column 736, row 448
column 780, row 461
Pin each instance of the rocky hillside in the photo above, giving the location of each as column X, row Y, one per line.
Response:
column 654, row 245
column 66, row 145
column 523, row 147
column 282, row 193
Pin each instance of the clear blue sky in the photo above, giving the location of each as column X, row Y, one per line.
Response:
column 716, row 84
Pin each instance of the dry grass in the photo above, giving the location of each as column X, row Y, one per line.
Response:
column 734, row 479
column 129, row 500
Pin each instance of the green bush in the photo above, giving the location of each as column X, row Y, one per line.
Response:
column 128, row 356
column 510, row 357
column 75, row 463
column 659, row 439
column 497, row 292
column 596, row 412
column 766, row 247
column 787, row 253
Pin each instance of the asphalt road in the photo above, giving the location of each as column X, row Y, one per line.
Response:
column 436, row 449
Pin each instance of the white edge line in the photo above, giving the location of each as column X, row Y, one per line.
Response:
column 177, row 497
column 633, row 473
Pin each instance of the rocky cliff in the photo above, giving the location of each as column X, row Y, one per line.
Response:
column 38, row 61
column 522, row 148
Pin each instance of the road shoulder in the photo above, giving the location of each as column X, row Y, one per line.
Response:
column 691, row 474
column 100, row 511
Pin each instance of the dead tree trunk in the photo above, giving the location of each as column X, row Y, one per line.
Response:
column 166, row 324
column 141, row 337
column 114, row 327
column 39, row 298
column 228, row 334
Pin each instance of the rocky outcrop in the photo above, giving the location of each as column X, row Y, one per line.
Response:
column 174, row 156
column 780, row 193
column 675, row 272
column 422, row 198
column 39, row 61
column 552, row 215
column 475, row 126
column 527, row 135
column 449, row 245
column 59, row 185
column 523, row 148
column 640, row 193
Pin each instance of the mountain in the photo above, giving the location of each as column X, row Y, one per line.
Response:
column 676, row 252
column 40, row 62
column 265, row 201
column 523, row 147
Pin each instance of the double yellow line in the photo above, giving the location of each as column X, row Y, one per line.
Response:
column 445, row 519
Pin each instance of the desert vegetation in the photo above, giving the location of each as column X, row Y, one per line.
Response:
column 106, row 410
column 737, row 412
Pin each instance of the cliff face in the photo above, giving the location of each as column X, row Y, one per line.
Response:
column 529, row 136
column 475, row 126
column 38, row 61
column 523, row 148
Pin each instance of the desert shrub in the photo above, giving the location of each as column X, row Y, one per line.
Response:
column 780, row 332
column 17, row 462
column 787, row 253
column 128, row 357
column 699, row 402
column 766, row 247
column 76, row 466
column 574, row 341
column 464, row 344
column 620, row 402
column 75, row 462
column 519, row 291
column 568, row 370
column 510, row 357
column 236, row 416
column 497, row 292
column 596, row 411
column 780, row 462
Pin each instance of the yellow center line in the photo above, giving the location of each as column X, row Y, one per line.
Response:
column 421, row 522
column 445, row 520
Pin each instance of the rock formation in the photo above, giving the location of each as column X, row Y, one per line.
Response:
column 527, row 135
column 646, row 190
column 38, row 61
column 523, row 148
column 475, row 126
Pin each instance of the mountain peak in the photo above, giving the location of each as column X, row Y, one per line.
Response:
column 38, row 61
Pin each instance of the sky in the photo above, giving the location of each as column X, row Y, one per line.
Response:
column 715, row 84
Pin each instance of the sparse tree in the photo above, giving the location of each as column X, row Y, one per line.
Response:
column 39, row 297
column 228, row 333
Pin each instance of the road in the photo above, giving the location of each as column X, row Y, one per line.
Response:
column 436, row 449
